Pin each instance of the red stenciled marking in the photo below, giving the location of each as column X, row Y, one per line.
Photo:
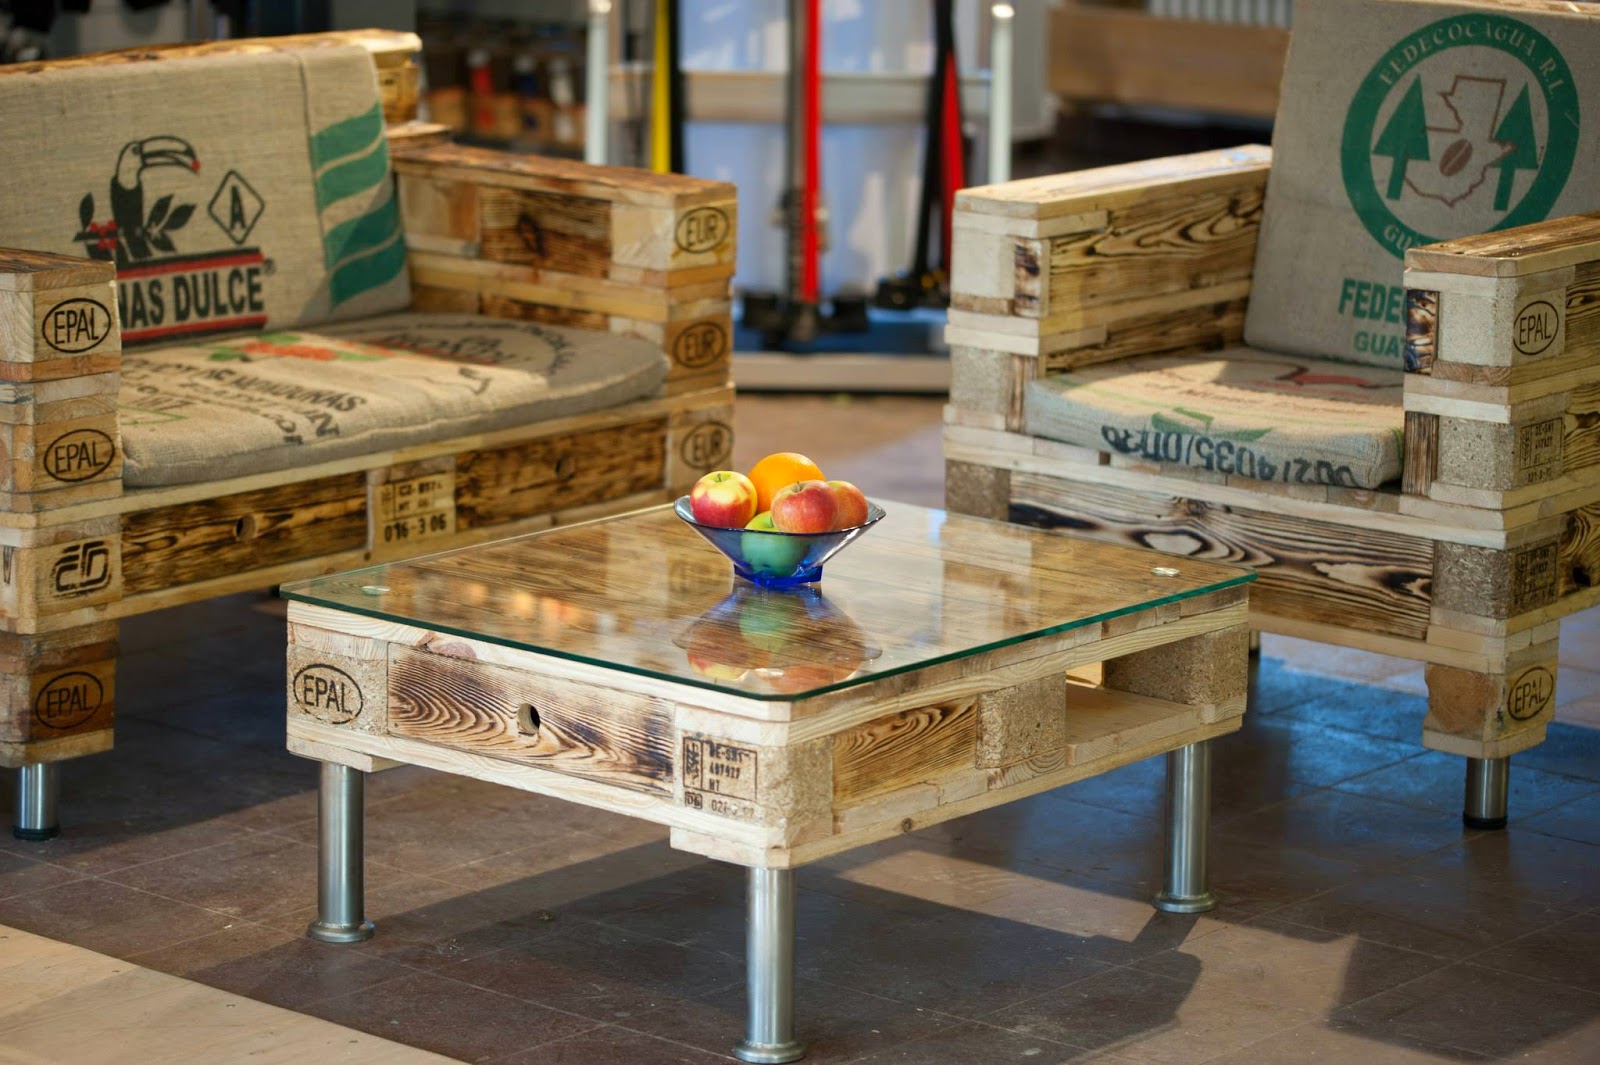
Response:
column 214, row 325
column 180, row 266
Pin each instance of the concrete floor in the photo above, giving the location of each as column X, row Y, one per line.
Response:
column 1361, row 923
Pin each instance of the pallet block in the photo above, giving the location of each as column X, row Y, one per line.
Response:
column 58, row 692
column 1493, row 533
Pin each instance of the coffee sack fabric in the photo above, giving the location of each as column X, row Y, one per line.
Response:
column 270, row 401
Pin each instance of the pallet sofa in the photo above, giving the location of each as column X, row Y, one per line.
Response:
column 1445, row 510
column 257, row 323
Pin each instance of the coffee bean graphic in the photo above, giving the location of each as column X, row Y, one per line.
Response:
column 1455, row 158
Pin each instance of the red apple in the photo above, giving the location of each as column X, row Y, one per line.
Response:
column 806, row 507
column 723, row 498
column 851, row 503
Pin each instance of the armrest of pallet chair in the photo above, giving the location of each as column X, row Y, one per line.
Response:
column 553, row 240
column 1073, row 269
column 1502, row 394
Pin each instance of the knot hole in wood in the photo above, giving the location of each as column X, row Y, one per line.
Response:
column 566, row 467
column 245, row 529
column 528, row 719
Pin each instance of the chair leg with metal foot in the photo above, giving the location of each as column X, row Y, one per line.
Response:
column 769, row 978
column 1488, row 792
column 341, row 888
column 1187, row 884
column 38, row 792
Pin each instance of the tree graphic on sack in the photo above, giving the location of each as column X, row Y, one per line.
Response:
column 131, row 234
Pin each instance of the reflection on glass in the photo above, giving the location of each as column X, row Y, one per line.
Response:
column 782, row 641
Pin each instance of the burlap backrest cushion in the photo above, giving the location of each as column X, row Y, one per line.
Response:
column 283, row 400
column 233, row 192
column 1405, row 122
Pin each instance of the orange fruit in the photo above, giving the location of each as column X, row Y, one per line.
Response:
column 777, row 472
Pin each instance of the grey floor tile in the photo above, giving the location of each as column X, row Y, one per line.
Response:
column 1576, row 820
column 600, row 973
column 610, row 1045
column 107, row 917
column 1431, row 780
column 468, row 1023
column 1351, row 828
column 1521, row 864
column 271, row 965
column 1566, row 953
column 1149, row 1017
column 972, row 1042
column 1291, row 965
column 19, row 875
column 1325, row 1043
column 1434, row 915
column 1486, row 1011
column 836, row 1023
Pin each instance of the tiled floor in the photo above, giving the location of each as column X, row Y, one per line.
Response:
column 1361, row 923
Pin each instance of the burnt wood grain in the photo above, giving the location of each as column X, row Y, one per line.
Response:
column 565, row 471
column 252, row 530
column 1364, row 578
column 567, row 727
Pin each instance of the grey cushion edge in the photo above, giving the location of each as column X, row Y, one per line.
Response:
column 1043, row 416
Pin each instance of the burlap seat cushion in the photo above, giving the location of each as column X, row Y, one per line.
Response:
column 1240, row 412
column 273, row 401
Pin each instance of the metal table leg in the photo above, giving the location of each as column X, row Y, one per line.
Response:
column 341, row 891
column 769, row 962
column 1187, row 884
column 38, row 788
column 1488, row 792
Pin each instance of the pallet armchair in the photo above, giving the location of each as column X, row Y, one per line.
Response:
column 1466, row 562
column 505, row 244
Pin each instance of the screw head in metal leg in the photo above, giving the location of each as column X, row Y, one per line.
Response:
column 1186, row 903
column 343, row 933
column 769, row 1053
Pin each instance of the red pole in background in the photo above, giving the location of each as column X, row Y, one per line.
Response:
column 810, row 280
column 955, row 169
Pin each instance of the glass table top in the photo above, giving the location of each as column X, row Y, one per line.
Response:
column 643, row 593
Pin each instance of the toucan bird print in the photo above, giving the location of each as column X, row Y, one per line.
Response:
column 133, row 233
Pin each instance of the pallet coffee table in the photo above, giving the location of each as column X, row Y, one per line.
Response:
column 943, row 665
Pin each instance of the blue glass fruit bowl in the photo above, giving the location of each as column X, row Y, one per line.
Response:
column 777, row 559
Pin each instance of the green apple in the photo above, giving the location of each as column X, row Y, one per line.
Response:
column 768, row 551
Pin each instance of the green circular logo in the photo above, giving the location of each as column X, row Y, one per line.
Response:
column 1466, row 125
